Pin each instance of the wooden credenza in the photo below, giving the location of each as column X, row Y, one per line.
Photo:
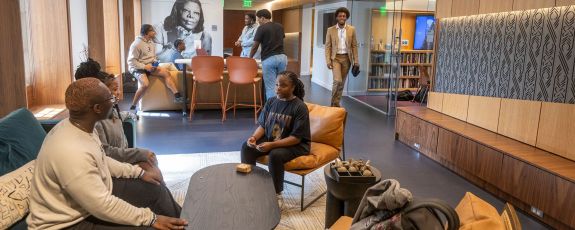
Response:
column 516, row 172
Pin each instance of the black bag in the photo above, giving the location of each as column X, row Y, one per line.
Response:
column 420, row 94
column 429, row 214
column 129, row 82
column 404, row 95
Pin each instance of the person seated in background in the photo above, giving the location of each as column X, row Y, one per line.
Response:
column 142, row 63
column 284, row 129
column 76, row 186
column 179, row 46
column 110, row 130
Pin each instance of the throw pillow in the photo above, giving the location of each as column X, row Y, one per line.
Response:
column 14, row 194
column 21, row 137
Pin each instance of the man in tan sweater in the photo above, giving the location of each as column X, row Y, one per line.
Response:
column 73, row 186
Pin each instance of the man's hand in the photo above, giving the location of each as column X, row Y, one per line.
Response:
column 329, row 66
column 153, row 176
column 265, row 147
column 152, row 159
column 168, row 223
column 149, row 68
column 251, row 142
column 356, row 64
column 237, row 43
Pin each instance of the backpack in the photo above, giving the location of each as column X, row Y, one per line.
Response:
column 404, row 95
column 429, row 214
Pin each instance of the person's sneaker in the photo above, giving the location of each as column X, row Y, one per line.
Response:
column 280, row 201
column 133, row 107
column 178, row 100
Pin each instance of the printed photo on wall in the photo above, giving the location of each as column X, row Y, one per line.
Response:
column 181, row 19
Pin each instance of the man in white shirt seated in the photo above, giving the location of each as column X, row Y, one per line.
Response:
column 75, row 184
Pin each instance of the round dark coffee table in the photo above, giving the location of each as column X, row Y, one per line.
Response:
column 342, row 199
column 218, row 197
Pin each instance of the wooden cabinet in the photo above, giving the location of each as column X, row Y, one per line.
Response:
column 417, row 133
column 518, row 173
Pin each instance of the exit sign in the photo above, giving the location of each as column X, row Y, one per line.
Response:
column 247, row 3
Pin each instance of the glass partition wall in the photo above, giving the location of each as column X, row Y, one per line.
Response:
column 395, row 43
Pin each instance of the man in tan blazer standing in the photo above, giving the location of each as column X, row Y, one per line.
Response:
column 340, row 52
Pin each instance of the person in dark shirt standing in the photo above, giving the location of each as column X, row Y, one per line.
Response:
column 284, row 129
column 271, row 37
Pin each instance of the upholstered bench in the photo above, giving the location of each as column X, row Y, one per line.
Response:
column 159, row 97
column 327, row 125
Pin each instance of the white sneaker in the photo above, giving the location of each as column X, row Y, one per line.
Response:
column 280, row 201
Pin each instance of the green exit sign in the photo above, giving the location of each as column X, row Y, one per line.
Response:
column 247, row 3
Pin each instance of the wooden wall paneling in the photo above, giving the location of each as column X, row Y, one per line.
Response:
column 495, row 6
column 455, row 105
column 484, row 112
column 532, row 4
column 132, row 16
column 104, row 34
column 435, row 101
column 404, row 128
column 527, row 183
column 446, row 146
column 443, row 8
column 292, row 20
column 12, row 73
column 464, row 8
column 51, row 72
column 564, row 2
column 564, row 198
column 425, row 137
column 458, row 151
column 556, row 131
column 519, row 119
column 488, row 164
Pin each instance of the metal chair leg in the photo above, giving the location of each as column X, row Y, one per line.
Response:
column 222, row 101
column 255, row 104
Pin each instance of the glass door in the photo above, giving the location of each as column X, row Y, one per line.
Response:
column 391, row 51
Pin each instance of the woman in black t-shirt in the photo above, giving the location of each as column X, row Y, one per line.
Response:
column 283, row 133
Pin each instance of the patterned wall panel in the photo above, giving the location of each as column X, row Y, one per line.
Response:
column 528, row 55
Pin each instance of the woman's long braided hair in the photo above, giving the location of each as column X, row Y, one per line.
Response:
column 299, row 89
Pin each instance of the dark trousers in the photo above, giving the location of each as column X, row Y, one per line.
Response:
column 277, row 158
column 140, row 194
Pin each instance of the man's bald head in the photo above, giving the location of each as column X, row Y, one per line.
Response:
column 82, row 94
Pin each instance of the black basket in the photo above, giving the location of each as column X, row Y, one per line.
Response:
column 351, row 177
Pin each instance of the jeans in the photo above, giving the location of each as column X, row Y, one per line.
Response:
column 277, row 158
column 140, row 194
column 271, row 66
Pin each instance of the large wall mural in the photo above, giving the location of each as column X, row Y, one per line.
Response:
column 526, row 55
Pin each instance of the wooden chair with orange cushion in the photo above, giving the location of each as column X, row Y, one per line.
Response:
column 208, row 70
column 243, row 71
column 327, row 125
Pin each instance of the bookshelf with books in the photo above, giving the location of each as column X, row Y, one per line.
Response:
column 380, row 69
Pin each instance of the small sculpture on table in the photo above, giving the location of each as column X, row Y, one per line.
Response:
column 352, row 170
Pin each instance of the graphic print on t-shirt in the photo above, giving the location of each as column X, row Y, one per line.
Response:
column 278, row 122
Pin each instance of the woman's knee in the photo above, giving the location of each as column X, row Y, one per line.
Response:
column 277, row 156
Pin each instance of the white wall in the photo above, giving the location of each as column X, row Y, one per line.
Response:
column 321, row 75
column 306, row 34
column 155, row 11
column 78, row 31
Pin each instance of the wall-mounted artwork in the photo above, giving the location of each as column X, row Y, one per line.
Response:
column 198, row 23
column 526, row 55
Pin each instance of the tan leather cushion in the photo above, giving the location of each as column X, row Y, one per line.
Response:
column 343, row 223
column 158, row 96
column 474, row 214
column 326, row 124
column 319, row 155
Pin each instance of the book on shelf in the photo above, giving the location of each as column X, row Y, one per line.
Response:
column 381, row 69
